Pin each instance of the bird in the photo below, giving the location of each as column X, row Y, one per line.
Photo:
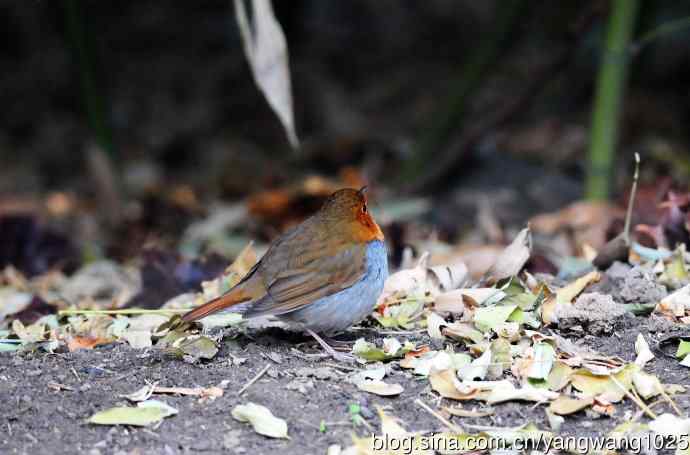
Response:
column 321, row 276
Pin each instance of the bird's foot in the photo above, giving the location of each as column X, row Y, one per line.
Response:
column 337, row 356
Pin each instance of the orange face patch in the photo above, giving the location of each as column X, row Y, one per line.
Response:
column 369, row 229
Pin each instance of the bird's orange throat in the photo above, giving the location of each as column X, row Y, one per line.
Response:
column 367, row 229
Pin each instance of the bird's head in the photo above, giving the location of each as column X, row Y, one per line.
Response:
column 346, row 209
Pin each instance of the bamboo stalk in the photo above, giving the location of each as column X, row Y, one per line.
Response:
column 611, row 83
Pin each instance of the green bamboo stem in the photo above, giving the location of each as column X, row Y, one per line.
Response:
column 80, row 39
column 611, row 83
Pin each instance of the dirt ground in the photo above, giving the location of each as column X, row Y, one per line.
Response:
column 40, row 419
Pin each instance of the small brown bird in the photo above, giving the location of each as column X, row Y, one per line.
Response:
column 323, row 275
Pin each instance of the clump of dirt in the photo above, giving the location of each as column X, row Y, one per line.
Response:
column 636, row 284
column 593, row 312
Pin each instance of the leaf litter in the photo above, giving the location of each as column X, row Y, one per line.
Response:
column 491, row 341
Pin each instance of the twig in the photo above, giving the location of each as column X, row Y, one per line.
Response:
column 125, row 311
column 254, row 379
column 76, row 375
column 631, row 200
column 443, row 420
column 342, row 367
column 636, row 400
column 670, row 401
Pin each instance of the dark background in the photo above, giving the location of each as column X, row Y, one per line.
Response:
column 372, row 80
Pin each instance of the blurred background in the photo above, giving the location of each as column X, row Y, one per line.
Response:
column 135, row 131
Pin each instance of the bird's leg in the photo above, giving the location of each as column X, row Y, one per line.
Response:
column 340, row 356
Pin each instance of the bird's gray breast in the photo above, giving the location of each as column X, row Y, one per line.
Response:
column 339, row 311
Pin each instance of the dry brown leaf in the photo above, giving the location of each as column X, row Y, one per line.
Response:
column 266, row 50
column 564, row 405
column 74, row 343
column 443, row 382
column 513, row 257
column 566, row 295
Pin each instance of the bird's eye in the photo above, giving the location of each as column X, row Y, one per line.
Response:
column 364, row 209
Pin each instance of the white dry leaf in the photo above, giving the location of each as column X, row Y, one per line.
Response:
column 513, row 258
column 448, row 277
column 261, row 419
column 372, row 374
column 541, row 364
column 477, row 369
column 686, row 361
column 29, row 334
column 378, row 387
column 142, row 394
column 391, row 346
column 450, row 302
column 466, row 386
column 527, row 393
column 267, row 52
column 670, row 425
column 644, row 354
column 675, row 303
column 555, row 421
column 483, row 296
column 647, row 385
column 436, row 361
column 422, row 279
column 434, row 322
column 138, row 339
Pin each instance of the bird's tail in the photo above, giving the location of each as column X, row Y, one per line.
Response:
column 231, row 298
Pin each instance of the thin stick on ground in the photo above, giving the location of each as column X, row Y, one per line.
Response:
column 636, row 400
column 254, row 379
column 670, row 401
column 167, row 311
column 631, row 200
column 446, row 422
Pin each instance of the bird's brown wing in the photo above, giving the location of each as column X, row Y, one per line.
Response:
column 316, row 267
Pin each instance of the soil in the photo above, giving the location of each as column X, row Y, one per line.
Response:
column 40, row 419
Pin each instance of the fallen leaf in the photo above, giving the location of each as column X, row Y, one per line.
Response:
column 559, row 377
column 644, row 354
column 261, row 419
column 443, row 382
column 146, row 413
column 527, row 393
column 142, row 394
column 489, row 318
column 565, row 295
column 381, row 388
column 683, row 349
column 603, row 386
column 434, row 323
column 564, row 405
column 477, row 369
column 647, row 385
column 670, row 425
column 513, row 258
column 75, row 343
column 463, row 331
column 391, row 349
column 542, row 362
